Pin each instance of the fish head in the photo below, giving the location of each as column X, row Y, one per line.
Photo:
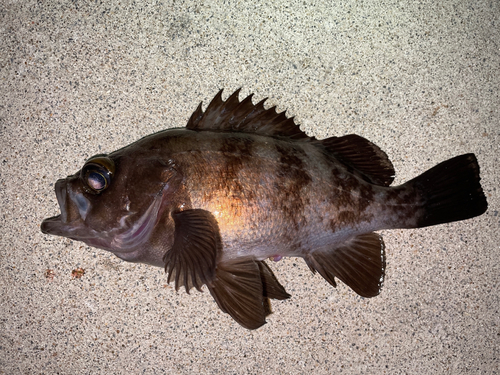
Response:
column 115, row 201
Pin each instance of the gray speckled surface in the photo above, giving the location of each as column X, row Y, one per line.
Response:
column 420, row 79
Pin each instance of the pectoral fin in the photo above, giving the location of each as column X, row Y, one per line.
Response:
column 359, row 263
column 242, row 289
column 191, row 260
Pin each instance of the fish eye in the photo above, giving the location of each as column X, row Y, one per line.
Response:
column 97, row 181
column 97, row 173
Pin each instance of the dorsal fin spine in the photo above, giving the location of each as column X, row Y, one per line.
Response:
column 232, row 115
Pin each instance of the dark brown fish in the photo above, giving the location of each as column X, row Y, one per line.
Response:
column 240, row 184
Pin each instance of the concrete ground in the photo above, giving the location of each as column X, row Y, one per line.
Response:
column 419, row 79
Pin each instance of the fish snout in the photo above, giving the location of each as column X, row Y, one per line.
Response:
column 73, row 206
column 61, row 194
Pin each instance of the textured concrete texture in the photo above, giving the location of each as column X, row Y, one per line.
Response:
column 419, row 79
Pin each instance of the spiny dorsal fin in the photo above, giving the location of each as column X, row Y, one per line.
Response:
column 244, row 116
column 232, row 115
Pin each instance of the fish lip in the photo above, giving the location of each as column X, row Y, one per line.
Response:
column 49, row 224
column 54, row 224
column 70, row 222
column 61, row 194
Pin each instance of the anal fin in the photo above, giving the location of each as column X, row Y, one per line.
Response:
column 359, row 263
column 242, row 289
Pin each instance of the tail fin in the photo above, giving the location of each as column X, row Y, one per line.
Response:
column 451, row 191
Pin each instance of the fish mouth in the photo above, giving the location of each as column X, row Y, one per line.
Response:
column 48, row 225
column 53, row 225
column 71, row 222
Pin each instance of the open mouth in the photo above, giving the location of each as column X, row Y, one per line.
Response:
column 52, row 224
column 121, row 235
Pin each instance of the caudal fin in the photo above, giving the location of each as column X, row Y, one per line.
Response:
column 450, row 191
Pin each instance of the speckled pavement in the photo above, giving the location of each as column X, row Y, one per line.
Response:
column 419, row 79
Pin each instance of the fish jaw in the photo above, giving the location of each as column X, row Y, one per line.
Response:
column 121, row 238
column 70, row 221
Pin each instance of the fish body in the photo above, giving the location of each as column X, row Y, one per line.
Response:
column 240, row 184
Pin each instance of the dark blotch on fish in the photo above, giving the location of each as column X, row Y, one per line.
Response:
column 240, row 184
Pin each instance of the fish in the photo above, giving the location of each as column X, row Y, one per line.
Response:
column 241, row 184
